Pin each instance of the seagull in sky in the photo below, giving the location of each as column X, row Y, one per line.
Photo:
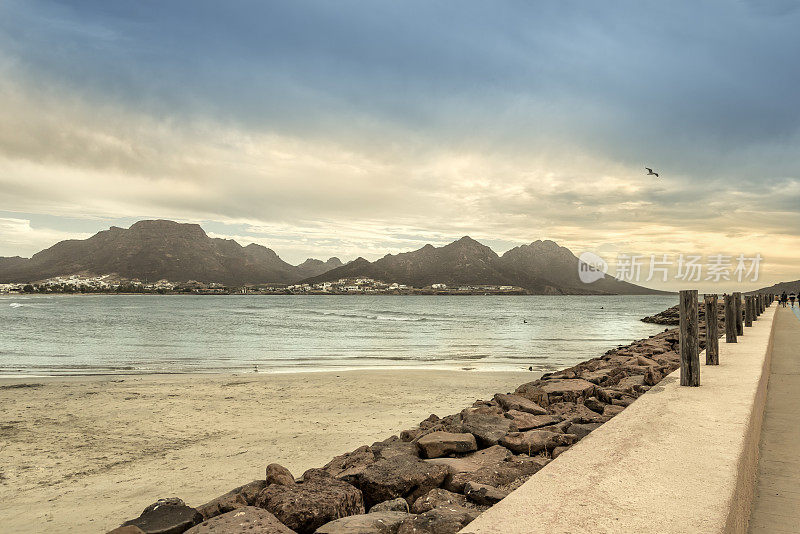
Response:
column 650, row 171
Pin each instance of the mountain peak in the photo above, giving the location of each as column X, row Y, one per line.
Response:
column 165, row 226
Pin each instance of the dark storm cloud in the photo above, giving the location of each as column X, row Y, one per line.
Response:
column 680, row 84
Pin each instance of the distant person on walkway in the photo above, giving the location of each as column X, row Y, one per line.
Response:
column 792, row 296
column 784, row 299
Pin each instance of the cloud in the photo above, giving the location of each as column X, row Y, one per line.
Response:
column 345, row 129
column 17, row 236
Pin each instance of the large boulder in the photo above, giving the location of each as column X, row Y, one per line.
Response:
column 167, row 516
column 442, row 520
column 515, row 402
column 484, row 494
column 507, row 473
column 594, row 404
column 438, row 444
column 582, row 429
column 236, row 498
column 374, row 523
column 526, row 421
column 488, row 428
column 277, row 474
column 392, row 447
column 546, row 392
column 399, row 476
column 435, row 498
column 308, row 505
column 350, row 464
column 244, row 520
column 470, row 463
column 576, row 413
column 395, row 505
column 534, row 441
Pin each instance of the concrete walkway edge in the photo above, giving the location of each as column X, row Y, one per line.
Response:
column 678, row 460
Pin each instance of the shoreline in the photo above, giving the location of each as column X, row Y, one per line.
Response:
column 118, row 441
column 243, row 373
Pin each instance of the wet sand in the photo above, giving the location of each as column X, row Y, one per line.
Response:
column 85, row 453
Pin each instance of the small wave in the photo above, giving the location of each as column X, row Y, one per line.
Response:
column 15, row 305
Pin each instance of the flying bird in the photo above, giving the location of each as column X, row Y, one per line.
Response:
column 650, row 171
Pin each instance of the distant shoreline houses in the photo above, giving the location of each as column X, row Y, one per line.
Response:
column 344, row 286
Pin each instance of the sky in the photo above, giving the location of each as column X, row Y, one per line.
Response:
column 351, row 128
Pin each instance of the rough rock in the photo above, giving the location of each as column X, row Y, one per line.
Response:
column 308, row 505
column 374, row 523
column 577, row 413
column 582, row 429
column 630, row 383
column 399, row 476
column 535, row 441
column 349, row 464
column 546, row 392
column 526, row 421
column 166, row 516
column 483, row 493
column 438, row 444
column 236, row 498
column 435, row 498
column 169, row 501
column 488, row 428
column 612, row 410
column 594, row 404
column 442, row 520
column 515, row 402
column 130, row 529
column 501, row 474
column 392, row 447
column 558, row 451
column 277, row 474
column 395, row 505
column 248, row 519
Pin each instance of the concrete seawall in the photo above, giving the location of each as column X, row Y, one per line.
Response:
column 678, row 460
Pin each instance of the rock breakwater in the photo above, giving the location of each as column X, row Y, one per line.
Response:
column 437, row 477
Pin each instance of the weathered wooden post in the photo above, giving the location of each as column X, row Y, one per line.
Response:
column 749, row 307
column 689, row 339
column 712, row 331
column 737, row 299
column 756, row 307
column 730, row 320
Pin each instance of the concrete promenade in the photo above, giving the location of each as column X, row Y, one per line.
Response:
column 678, row 460
column 776, row 507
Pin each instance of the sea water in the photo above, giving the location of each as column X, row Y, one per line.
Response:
column 87, row 334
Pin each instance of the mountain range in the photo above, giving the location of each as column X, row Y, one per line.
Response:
column 153, row 250
column 542, row 267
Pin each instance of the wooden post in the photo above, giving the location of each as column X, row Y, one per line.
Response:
column 689, row 339
column 730, row 320
column 756, row 307
column 737, row 300
column 712, row 331
column 749, row 307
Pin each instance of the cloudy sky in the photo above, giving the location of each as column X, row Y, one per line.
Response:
column 350, row 128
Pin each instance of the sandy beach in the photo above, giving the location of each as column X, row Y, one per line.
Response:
column 85, row 453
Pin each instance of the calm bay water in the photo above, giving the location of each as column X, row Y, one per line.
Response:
column 83, row 334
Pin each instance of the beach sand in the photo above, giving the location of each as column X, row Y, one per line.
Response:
column 83, row 454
